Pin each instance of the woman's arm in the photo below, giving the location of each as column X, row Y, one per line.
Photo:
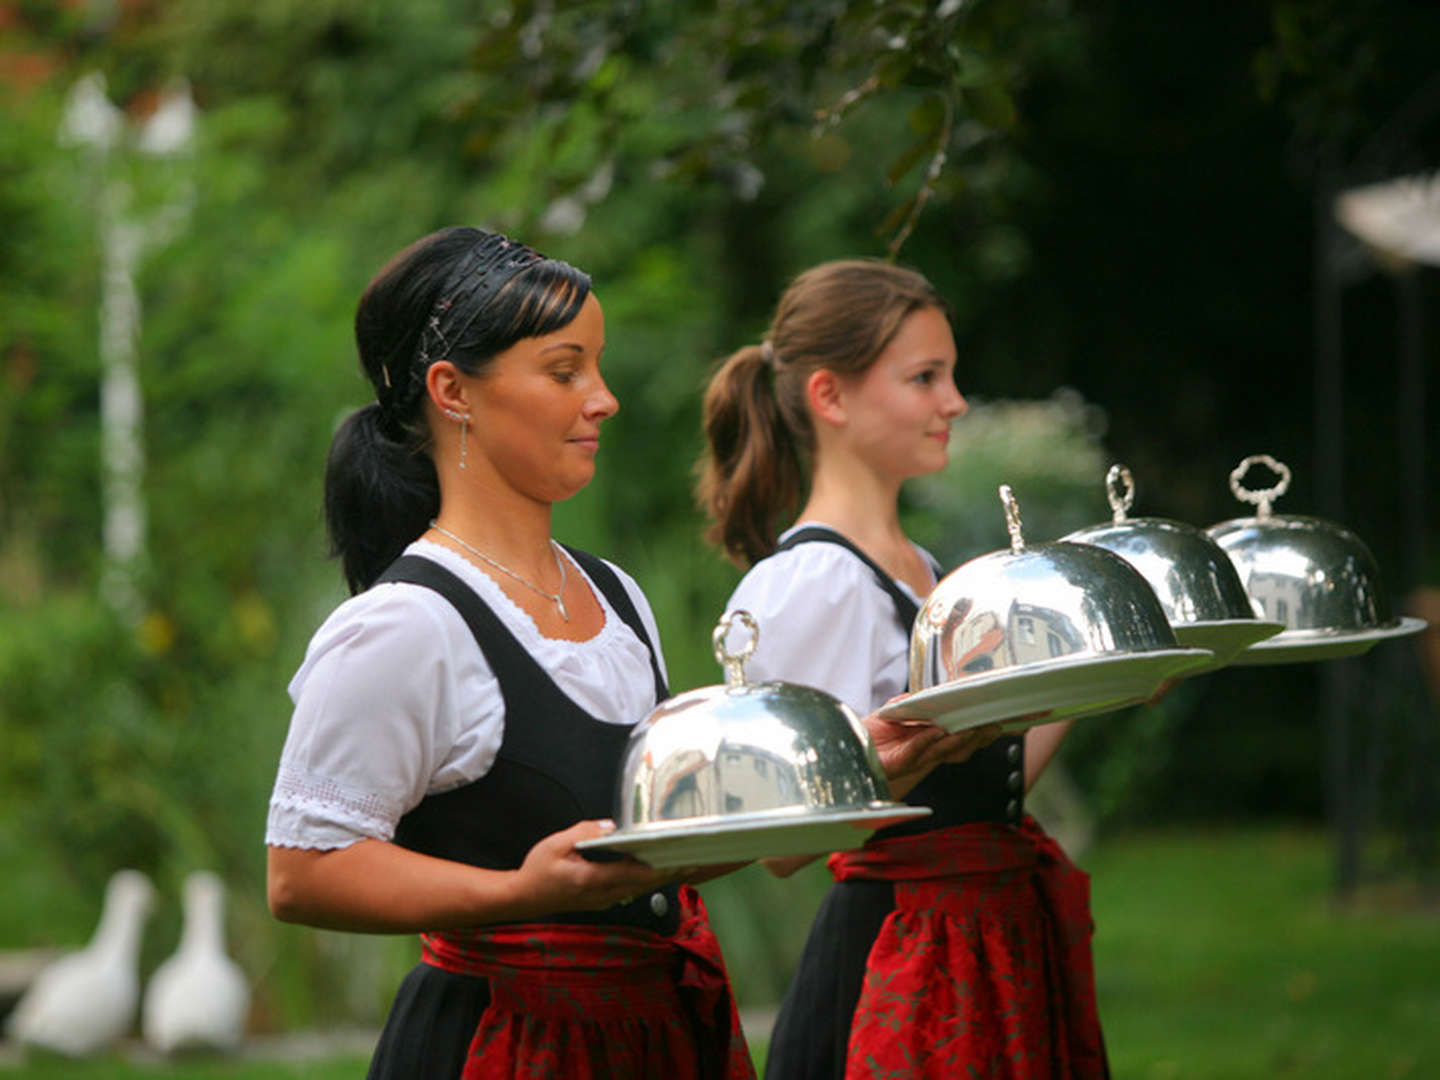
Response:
column 782, row 866
column 1041, row 742
column 377, row 887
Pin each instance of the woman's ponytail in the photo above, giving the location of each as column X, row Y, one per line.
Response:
column 381, row 492
column 753, row 474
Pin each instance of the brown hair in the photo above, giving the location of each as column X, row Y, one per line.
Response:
column 838, row 316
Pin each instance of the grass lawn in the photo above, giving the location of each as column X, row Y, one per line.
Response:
column 1218, row 956
column 341, row 1068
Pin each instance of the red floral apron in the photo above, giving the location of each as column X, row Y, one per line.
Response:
column 984, row 968
column 599, row 1003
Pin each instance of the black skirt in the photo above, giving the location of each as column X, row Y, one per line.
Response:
column 812, row 1030
column 431, row 1023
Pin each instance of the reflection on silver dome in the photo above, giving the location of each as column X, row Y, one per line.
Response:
column 746, row 748
column 1011, row 608
column 1190, row 574
column 1305, row 572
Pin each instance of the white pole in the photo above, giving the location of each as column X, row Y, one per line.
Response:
column 122, row 410
column 92, row 121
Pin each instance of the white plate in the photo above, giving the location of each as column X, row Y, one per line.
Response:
column 1065, row 688
column 1298, row 646
column 1226, row 638
column 706, row 841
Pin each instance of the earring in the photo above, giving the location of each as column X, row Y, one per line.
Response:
column 464, row 419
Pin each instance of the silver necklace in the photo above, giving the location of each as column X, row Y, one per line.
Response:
column 555, row 597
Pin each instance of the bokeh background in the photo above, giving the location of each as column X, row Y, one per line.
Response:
column 1132, row 210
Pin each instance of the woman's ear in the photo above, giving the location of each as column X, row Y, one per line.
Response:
column 826, row 396
column 446, row 388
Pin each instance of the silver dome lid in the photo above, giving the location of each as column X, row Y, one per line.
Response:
column 1059, row 627
column 1029, row 604
column 1316, row 577
column 745, row 770
column 1190, row 574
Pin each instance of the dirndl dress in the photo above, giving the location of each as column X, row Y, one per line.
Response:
column 956, row 945
column 638, row 990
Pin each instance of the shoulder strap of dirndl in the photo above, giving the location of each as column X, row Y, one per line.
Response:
column 418, row 570
column 614, row 591
column 905, row 608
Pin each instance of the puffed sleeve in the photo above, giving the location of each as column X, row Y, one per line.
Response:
column 375, row 726
column 823, row 622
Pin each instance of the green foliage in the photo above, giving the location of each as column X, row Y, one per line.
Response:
column 47, row 264
column 762, row 922
column 153, row 743
column 1324, row 59
column 702, row 90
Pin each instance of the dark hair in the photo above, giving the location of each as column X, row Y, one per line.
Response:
column 460, row 294
column 838, row 316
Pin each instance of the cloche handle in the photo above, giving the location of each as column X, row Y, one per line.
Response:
column 1119, row 491
column 734, row 663
column 1012, row 518
column 1260, row 498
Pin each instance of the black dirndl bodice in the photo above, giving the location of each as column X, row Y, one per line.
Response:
column 556, row 765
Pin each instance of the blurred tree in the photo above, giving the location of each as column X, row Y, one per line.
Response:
column 727, row 82
column 154, row 744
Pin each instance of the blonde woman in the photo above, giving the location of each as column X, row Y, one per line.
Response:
column 957, row 945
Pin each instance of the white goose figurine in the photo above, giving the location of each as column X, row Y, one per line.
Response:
column 198, row 999
column 87, row 1000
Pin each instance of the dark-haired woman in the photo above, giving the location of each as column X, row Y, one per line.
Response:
column 958, row 945
column 459, row 721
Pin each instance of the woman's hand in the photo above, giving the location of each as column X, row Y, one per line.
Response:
column 909, row 750
column 1161, row 692
column 782, row 866
column 556, row 877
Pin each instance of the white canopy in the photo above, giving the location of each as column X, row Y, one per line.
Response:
column 1398, row 219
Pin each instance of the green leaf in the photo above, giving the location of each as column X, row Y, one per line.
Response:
column 990, row 105
column 894, row 68
column 896, row 217
column 927, row 116
column 916, row 152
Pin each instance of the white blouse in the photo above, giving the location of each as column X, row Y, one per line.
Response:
column 394, row 701
column 825, row 622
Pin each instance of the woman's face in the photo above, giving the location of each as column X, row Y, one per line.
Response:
column 536, row 411
column 899, row 410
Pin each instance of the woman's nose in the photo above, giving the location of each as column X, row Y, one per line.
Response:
column 602, row 404
column 955, row 404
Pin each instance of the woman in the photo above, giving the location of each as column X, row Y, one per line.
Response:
column 459, row 721
column 959, row 942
